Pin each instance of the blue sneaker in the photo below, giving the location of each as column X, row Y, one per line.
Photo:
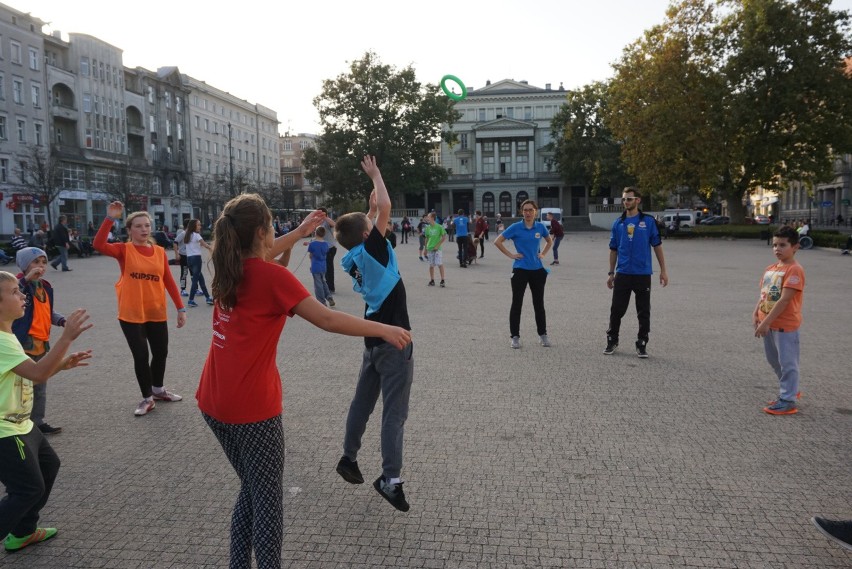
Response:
column 184, row 293
column 192, row 303
column 781, row 407
column 210, row 301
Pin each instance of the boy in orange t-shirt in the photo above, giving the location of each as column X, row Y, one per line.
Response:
column 777, row 318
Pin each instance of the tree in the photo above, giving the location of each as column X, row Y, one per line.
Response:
column 209, row 195
column 752, row 94
column 586, row 151
column 41, row 175
column 120, row 183
column 376, row 109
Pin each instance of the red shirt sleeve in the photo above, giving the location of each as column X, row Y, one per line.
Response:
column 100, row 244
column 171, row 286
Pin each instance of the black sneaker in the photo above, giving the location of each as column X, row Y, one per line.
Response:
column 611, row 345
column 839, row 531
column 349, row 471
column 640, row 348
column 442, row 284
column 48, row 430
column 431, row 283
column 392, row 493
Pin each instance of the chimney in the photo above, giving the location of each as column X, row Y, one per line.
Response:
column 547, row 86
column 561, row 88
column 57, row 34
column 487, row 82
column 524, row 82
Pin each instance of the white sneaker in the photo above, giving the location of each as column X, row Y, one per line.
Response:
column 516, row 342
column 144, row 408
column 167, row 396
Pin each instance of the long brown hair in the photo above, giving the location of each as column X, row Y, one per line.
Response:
column 233, row 235
column 190, row 229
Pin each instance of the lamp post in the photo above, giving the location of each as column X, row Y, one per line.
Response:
column 230, row 161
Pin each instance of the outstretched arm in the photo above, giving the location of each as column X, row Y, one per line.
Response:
column 382, row 199
column 286, row 242
column 341, row 323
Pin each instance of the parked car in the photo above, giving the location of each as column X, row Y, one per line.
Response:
column 708, row 220
column 163, row 240
column 717, row 220
column 761, row 220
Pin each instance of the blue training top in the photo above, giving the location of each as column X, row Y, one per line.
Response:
column 461, row 223
column 526, row 241
column 376, row 280
column 318, row 251
column 632, row 238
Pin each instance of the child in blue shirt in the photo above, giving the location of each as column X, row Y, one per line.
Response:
column 318, row 249
column 385, row 370
column 527, row 270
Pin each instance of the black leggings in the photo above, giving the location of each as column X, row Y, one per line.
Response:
column 184, row 271
column 536, row 281
column 139, row 337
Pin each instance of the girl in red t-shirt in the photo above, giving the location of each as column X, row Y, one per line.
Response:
column 240, row 389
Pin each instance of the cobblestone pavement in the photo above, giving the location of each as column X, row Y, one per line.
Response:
column 538, row 457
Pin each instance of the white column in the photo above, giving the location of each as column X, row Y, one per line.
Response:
column 513, row 164
column 478, row 160
column 496, row 160
column 531, row 157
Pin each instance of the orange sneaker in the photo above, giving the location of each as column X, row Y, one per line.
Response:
column 781, row 407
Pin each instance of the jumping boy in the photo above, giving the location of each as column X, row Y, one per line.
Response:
column 372, row 264
column 777, row 318
column 435, row 236
column 33, row 328
column 28, row 464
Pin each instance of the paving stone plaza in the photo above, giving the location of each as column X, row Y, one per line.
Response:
column 538, row 457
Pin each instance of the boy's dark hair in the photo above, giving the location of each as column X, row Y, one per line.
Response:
column 787, row 232
column 320, row 231
column 350, row 228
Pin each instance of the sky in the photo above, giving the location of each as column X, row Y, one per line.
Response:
column 278, row 54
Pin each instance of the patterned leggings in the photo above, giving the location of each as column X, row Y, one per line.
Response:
column 256, row 451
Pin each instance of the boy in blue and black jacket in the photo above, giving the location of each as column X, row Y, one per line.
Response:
column 385, row 370
column 33, row 328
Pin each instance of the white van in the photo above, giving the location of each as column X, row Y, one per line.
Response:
column 557, row 215
column 686, row 216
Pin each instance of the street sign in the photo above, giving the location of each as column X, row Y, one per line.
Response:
column 844, row 202
column 827, row 204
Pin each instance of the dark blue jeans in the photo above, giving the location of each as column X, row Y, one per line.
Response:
column 388, row 371
column 194, row 264
column 640, row 286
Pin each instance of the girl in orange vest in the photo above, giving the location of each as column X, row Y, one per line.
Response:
column 141, row 291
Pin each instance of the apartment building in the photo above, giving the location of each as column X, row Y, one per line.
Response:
column 299, row 192
column 233, row 143
column 23, row 116
column 501, row 157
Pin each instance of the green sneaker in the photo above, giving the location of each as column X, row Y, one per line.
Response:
column 13, row 543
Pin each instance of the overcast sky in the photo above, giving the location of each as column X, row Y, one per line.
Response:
column 278, row 54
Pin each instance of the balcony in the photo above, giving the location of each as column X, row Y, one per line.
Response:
column 291, row 170
column 64, row 112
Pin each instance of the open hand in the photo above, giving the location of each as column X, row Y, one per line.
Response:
column 368, row 164
column 76, row 323
column 311, row 222
column 115, row 209
column 76, row 359
column 397, row 337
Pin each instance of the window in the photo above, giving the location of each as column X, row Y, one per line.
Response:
column 527, row 113
column 37, row 131
column 506, row 204
column 36, row 96
column 522, row 145
column 464, row 166
column 288, row 145
column 206, row 125
column 150, row 94
column 178, row 104
column 2, row 87
column 2, row 128
column 18, row 91
column 505, row 146
column 216, row 148
column 89, row 142
column 87, row 103
column 156, row 185
column 4, row 170
column 481, row 115
column 505, row 164
column 152, row 123
column 288, row 181
column 22, row 130
column 488, row 147
column 463, row 141
column 197, row 121
column 84, row 66
column 34, row 63
column 521, row 198
column 168, row 97
column 510, row 112
column 207, row 146
column 180, row 131
column 97, row 101
column 522, row 164
column 208, row 166
column 488, row 204
column 15, row 53
column 198, row 143
column 498, row 112
column 488, row 165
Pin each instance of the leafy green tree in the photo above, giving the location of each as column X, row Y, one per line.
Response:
column 735, row 94
column 585, row 150
column 377, row 109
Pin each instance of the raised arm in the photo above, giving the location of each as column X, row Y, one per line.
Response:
column 286, row 242
column 382, row 199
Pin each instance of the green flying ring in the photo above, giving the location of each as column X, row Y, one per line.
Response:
column 449, row 93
